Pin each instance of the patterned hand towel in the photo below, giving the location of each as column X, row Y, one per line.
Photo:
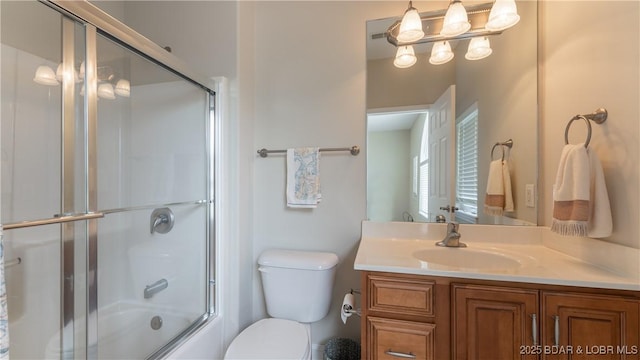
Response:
column 303, row 177
column 498, row 198
column 571, row 192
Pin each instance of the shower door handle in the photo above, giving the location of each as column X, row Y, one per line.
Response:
column 54, row 220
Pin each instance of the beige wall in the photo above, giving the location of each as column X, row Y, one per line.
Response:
column 301, row 81
column 590, row 59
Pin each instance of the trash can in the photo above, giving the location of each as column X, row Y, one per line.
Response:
column 342, row 349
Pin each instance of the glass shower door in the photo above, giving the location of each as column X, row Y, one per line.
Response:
column 113, row 151
column 151, row 184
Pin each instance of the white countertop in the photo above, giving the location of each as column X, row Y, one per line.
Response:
column 536, row 263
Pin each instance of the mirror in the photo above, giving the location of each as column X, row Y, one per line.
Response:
column 414, row 170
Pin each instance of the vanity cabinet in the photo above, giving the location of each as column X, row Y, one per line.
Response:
column 493, row 322
column 399, row 317
column 594, row 326
column 427, row 317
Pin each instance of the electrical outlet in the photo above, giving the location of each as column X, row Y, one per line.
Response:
column 530, row 195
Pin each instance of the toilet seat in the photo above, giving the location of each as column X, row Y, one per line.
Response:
column 271, row 339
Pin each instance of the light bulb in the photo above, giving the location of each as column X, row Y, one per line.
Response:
column 411, row 26
column 45, row 76
column 503, row 15
column 441, row 53
column 123, row 88
column 456, row 21
column 105, row 91
column 479, row 48
column 405, row 57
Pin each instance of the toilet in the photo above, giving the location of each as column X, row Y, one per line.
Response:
column 297, row 287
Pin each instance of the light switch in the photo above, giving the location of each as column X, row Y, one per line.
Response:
column 530, row 195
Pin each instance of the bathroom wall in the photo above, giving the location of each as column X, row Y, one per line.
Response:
column 590, row 57
column 297, row 76
column 389, row 173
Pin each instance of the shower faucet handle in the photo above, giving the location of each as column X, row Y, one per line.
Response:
column 161, row 221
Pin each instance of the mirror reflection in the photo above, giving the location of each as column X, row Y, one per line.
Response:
column 432, row 129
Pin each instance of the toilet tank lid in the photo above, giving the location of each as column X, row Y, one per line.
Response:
column 295, row 259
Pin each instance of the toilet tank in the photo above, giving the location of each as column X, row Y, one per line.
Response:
column 297, row 285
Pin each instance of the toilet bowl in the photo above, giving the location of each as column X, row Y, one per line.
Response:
column 297, row 287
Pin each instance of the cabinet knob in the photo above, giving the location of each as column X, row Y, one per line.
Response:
column 400, row 354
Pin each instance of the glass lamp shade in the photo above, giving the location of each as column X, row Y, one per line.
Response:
column 123, row 88
column 411, row 26
column 456, row 21
column 503, row 15
column 479, row 48
column 441, row 53
column 45, row 76
column 405, row 57
column 105, row 91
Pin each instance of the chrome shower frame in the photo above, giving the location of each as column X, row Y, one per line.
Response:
column 98, row 22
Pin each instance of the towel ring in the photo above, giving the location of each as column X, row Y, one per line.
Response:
column 599, row 116
column 508, row 143
column 566, row 130
column 494, row 147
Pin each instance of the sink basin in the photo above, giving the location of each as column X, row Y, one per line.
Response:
column 465, row 258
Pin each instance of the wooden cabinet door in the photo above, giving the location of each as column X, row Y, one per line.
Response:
column 579, row 326
column 494, row 322
column 396, row 339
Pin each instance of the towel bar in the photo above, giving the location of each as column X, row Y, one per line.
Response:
column 354, row 150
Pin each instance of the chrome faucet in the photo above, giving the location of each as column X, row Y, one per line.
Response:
column 155, row 288
column 452, row 239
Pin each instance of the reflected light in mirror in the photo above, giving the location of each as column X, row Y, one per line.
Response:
column 503, row 15
column 45, row 76
column 479, row 48
column 441, row 53
column 105, row 91
column 411, row 26
column 456, row 21
column 123, row 88
column 405, row 57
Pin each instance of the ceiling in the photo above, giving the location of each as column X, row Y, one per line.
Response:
column 392, row 121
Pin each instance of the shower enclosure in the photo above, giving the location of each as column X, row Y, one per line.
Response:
column 107, row 177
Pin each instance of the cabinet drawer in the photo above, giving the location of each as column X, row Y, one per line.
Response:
column 394, row 339
column 400, row 295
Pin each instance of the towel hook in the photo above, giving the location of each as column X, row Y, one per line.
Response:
column 599, row 116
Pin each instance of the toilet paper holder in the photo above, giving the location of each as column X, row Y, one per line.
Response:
column 347, row 308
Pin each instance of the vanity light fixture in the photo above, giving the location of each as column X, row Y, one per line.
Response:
column 479, row 48
column 411, row 26
column 405, row 57
column 456, row 21
column 441, row 53
column 503, row 15
column 476, row 22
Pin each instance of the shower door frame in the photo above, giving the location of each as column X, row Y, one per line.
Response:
column 96, row 22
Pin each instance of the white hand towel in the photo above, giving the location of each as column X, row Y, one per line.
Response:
column 303, row 177
column 600, row 222
column 580, row 200
column 498, row 197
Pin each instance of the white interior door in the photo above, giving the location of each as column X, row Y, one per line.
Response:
column 441, row 153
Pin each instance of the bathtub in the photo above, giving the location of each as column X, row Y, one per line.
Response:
column 127, row 331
